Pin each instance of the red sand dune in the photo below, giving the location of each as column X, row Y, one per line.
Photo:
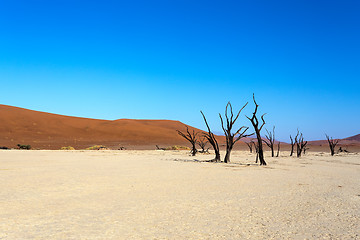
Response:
column 51, row 131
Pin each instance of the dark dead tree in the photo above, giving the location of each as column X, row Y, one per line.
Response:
column 292, row 145
column 212, row 140
column 332, row 144
column 300, row 143
column 270, row 136
column 254, row 121
column 250, row 145
column 202, row 142
column 191, row 137
column 278, row 149
column 231, row 137
column 257, row 151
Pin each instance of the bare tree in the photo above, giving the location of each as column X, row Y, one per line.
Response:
column 191, row 137
column 250, row 145
column 257, row 151
column 292, row 145
column 300, row 143
column 278, row 149
column 212, row 140
column 232, row 138
column 202, row 142
column 254, row 121
column 332, row 144
column 270, row 136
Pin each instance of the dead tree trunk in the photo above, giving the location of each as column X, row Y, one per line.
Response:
column 202, row 144
column 300, row 143
column 278, row 149
column 332, row 144
column 212, row 140
column 257, row 151
column 191, row 137
column 292, row 145
column 232, row 138
column 254, row 121
column 250, row 145
column 270, row 136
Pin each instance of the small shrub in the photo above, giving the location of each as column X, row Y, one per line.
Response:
column 97, row 147
column 175, row 147
column 67, row 148
column 26, row 147
column 4, row 148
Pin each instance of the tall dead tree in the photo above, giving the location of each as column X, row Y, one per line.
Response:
column 278, row 149
column 191, row 137
column 231, row 137
column 202, row 142
column 212, row 140
column 254, row 121
column 300, row 143
column 250, row 145
column 292, row 145
column 332, row 144
column 270, row 136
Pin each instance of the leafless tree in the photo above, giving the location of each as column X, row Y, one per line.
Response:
column 257, row 151
column 270, row 136
column 292, row 145
column 231, row 137
column 212, row 140
column 191, row 137
column 250, row 145
column 300, row 143
column 332, row 144
column 202, row 142
column 254, row 121
column 278, row 149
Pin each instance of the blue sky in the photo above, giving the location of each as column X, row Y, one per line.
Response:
column 171, row 59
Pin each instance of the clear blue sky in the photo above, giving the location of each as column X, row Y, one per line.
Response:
column 171, row 59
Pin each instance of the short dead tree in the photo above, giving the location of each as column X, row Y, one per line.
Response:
column 191, row 137
column 254, row 121
column 232, row 137
column 270, row 136
column 300, row 144
column 250, row 145
column 292, row 142
column 278, row 149
column 257, row 151
column 212, row 140
column 202, row 142
column 332, row 144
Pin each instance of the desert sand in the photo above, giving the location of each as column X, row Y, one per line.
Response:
column 171, row 195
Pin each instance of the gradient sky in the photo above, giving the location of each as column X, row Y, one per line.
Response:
column 171, row 59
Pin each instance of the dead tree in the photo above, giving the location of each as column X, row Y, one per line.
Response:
column 292, row 145
column 250, row 145
column 254, row 121
column 202, row 142
column 232, row 138
column 270, row 136
column 191, row 137
column 212, row 140
column 257, row 151
column 278, row 149
column 332, row 144
column 300, row 143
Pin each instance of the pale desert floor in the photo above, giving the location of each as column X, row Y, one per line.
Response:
column 167, row 195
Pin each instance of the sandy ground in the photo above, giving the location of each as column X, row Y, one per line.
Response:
column 167, row 195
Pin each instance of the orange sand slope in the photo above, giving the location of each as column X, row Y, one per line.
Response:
column 52, row 131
